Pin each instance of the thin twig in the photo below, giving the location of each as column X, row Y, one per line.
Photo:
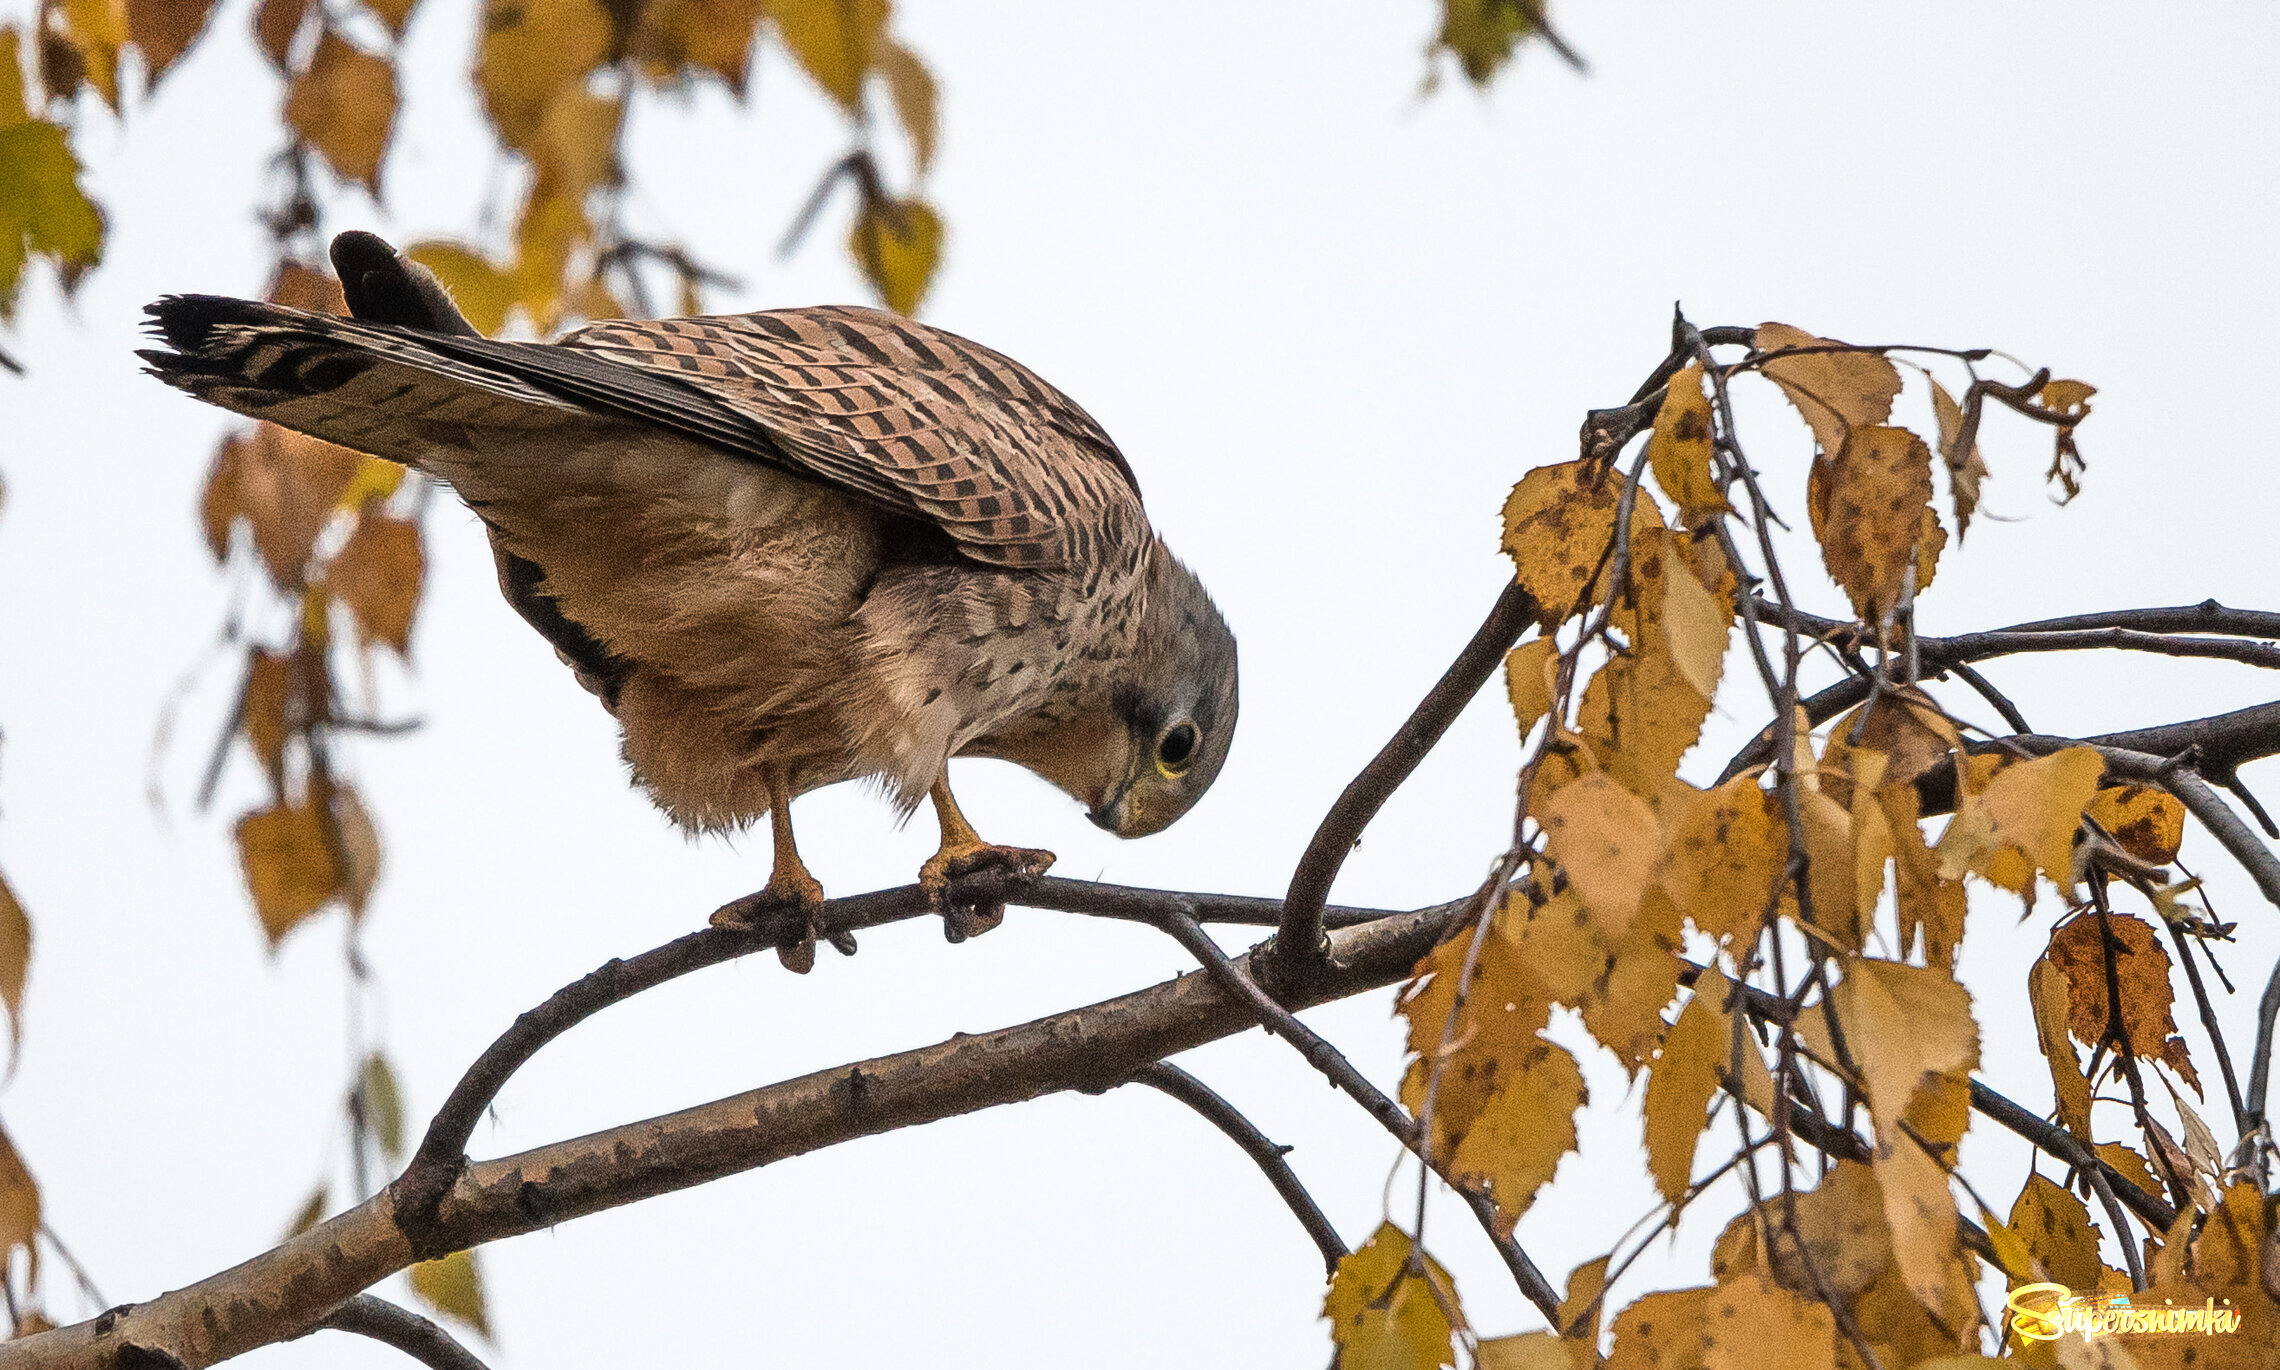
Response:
column 401, row 1328
column 1170, row 1079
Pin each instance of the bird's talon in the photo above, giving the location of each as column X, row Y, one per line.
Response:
column 842, row 942
column 971, row 917
column 786, row 891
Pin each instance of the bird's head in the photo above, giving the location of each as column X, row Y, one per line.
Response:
column 1175, row 710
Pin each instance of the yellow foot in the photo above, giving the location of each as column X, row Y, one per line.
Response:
column 964, row 917
column 793, row 891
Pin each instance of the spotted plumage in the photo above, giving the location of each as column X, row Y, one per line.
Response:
column 786, row 549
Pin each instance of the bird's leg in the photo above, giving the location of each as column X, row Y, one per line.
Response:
column 963, row 852
column 789, row 886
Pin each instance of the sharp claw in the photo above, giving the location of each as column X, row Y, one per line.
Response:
column 786, row 891
column 964, row 918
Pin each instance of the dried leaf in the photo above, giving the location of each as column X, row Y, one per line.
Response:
column 15, row 962
column 268, row 714
column 2071, row 398
column 911, row 86
column 378, row 574
column 835, row 41
column 1965, row 469
column 1607, row 841
column 1727, row 859
column 2148, row 823
column 1868, row 504
column 2131, row 1165
column 276, row 23
column 1624, row 1008
column 709, row 35
column 1528, row 672
column 1639, row 715
column 1907, row 1026
column 19, row 1205
column 1844, row 1231
column 1662, row 1331
column 286, row 486
column 1532, row 1351
column 1755, row 1324
column 2141, row 969
column 2033, row 807
column 532, row 51
column 483, row 292
column 1516, row 1143
column 1382, row 1317
column 1905, row 725
column 1495, row 1030
column 299, row 286
column 2047, row 991
column 96, row 30
column 453, row 1287
column 1582, row 1306
column 396, row 14
column 1697, row 625
column 345, row 106
column 164, row 30
column 290, row 865
column 898, row 244
column 1694, row 1057
column 359, row 848
column 1836, row 392
column 1558, row 524
column 2057, row 1229
column 1679, row 452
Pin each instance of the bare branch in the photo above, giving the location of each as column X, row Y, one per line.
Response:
column 1170, row 1079
column 403, row 1329
column 1298, row 944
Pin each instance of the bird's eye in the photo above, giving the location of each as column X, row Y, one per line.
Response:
column 1176, row 748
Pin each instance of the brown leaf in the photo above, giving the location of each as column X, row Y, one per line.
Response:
column 911, row 86
column 2058, row 1232
column 2141, row 968
column 298, row 286
column 276, row 23
column 836, row 41
column 1481, row 35
column 1906, row 725
column 286, row 486
column 1558, row 524
column 378, row 574
column 345, row 106
column 1755, row 1324
column 291, row 867
column 1727, row 859
column 1516, row 1143
column 396, row 14
column 1679, row 452
column 1836, row 392
column 1868, row 505
column 15, row 963
column 1383, row 1317
column 2148, row 823
column 270, row 711
column 19, row 1203
column 532, row 51
column 96, row 30
column 1928, row 905
column 1607, row 841
column 1965, row 469
column 164, row 30
column 709, row 35
column 2048, row 993
column 453, row 1286
column 898, row 244
column 359, row 848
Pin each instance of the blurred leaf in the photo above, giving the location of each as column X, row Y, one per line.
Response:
column 43, row 212
column 378, row 575
column 898, row 244
column 383, row 1105
column 710, row 35
column 345, row 106
column 836, row 41
column 549, row 232
column 575, row 148
column 266, row 715
column 911, row 86
column 13, row 111
column 19, row 1205
column 287, row 486
column 532, row 51
column 15, row 962
column 396, row 14
column 300, row 286
column 164, row 30
column 310, row 1213
column 481, row 290
column 276, row 23
column 1481, row 35
column 1381, row 1316
column 453, row 1287
column 376, row 479
column 359, row 848
column 290, row 866
column 1836, row 392
column 96, row 30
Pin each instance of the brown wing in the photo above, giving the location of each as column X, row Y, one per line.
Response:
column 907, row 416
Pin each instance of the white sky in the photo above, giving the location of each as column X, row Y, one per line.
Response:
column 1330, row 324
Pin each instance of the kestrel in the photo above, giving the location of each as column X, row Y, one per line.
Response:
column 785, row 549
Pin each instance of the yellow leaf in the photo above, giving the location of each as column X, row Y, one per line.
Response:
column 532, row 51
column 482, row 291
column 382, row 1103
column 43, row 212
column 2047, row 992
column 2057, row 1230
column 1531, row 1351
column 286, row 486
column 898, row 244
column 575, row 148
column 164, row 30
column 1868, row 504
column 2011, row 1254
column 310, row 1213
column 1662, row 1331
column 290, row 865
column 911, row 86
column 1528, row 679
column 2034, row 806
column 1755, row 1324
column 1639, row 715
column 97, row 29
column 1844, row 1231
column 1904, row 1023
column 1559, row 522
column 265, row 714
column 672, row 36
column 1608, row 842
column 1836, row 392
column 13, row 110
column 1727, row 859
column 836, row 41
column 345, row 106
column 1831, row 872
column 378, row 575
column 1581, row 1307
column 1624, row 1009
column 2146, row 822
column 2131, row 1165
column 1383, row 1318
column 1504, row 1007
column 15, row 961
column 1697, row 624
column 1529, row 1124
column 1480, row 34
column 1695, row 1054
column 2071, row 398
column 1965, row 469
column 453, row 1287
column 546, row 236
column 1679, row 452
column 1926, row 1230
column 19, row 1203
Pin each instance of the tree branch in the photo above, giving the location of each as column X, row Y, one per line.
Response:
column 291, row 1287
column 1298, row 949
column 403, row 1329
column 1170, row 1079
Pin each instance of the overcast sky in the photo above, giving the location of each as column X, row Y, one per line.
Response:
column 1330, row 323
